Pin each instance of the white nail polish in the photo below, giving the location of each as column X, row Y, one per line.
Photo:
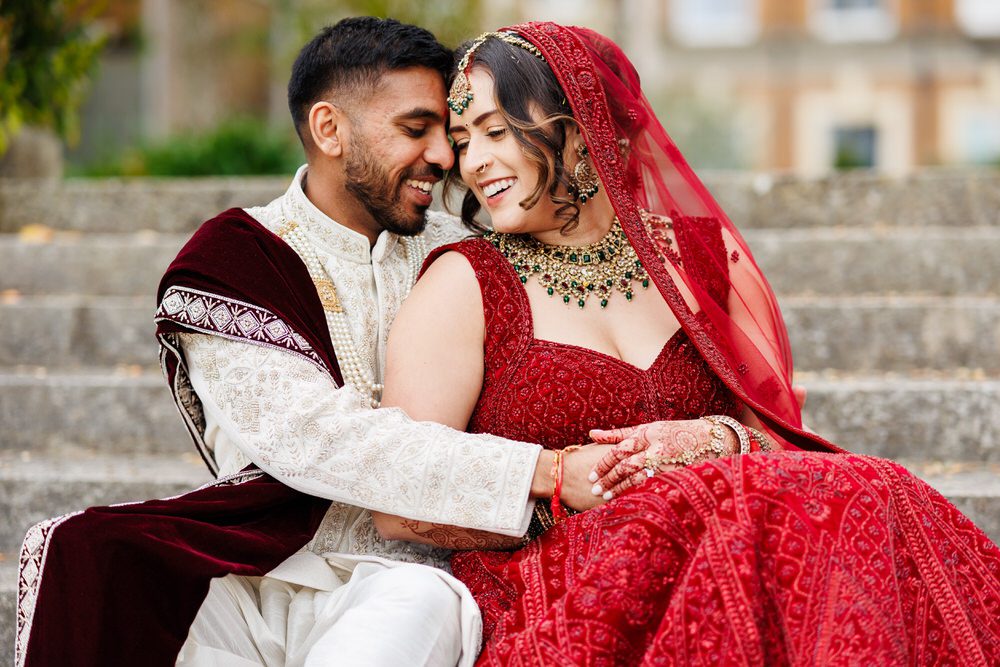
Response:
column 597, row 490
column 592, row 476
column 608, row 495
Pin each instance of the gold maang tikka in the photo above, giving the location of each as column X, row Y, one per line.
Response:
column 460, row 95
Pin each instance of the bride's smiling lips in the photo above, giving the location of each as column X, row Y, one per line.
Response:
column 495, row 189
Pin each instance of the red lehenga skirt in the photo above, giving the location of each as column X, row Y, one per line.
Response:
column 789, row 558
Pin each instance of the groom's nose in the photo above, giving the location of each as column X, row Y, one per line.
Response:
column 438, row 151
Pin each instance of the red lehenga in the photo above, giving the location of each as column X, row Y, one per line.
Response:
column 809, row 556
column 785, row 558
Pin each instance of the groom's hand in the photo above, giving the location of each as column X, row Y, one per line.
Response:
column 576, row 487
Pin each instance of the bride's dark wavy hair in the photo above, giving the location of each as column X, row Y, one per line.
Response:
column 533, row 105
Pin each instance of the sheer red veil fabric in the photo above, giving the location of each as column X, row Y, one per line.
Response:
column 698, row 260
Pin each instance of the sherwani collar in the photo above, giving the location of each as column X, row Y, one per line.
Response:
column 329, row 236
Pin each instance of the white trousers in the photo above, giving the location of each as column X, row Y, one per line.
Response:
column 317, row 612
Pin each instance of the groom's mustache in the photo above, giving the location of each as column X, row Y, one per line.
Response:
column 430, row 171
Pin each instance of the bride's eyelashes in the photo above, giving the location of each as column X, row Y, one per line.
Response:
column 494, row 133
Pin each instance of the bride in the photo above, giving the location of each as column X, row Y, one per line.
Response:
column 613, row 291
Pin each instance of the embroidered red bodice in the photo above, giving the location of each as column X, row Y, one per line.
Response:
column 553, row 393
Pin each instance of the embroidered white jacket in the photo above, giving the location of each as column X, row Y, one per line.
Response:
column 274, row 408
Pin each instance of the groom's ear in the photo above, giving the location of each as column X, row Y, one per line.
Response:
column 327, row 127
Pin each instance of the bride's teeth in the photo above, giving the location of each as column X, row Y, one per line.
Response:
column 423, row 186
column 497, row 186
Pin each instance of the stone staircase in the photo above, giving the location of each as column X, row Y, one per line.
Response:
column 890, row 288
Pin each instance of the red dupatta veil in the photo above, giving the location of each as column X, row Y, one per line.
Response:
column 698, row 260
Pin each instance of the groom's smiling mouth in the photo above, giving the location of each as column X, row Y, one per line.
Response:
column 421, row 188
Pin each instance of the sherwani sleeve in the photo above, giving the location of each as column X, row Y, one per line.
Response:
column 288, row 417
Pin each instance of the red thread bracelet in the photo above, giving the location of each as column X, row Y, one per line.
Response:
column 558, row 511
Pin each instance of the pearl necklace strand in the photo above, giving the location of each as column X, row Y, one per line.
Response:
column 354, row 370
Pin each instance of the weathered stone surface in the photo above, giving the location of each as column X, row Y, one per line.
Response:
column 92, row 264
column 880, row 261
column 929, row 198
column 845, row 333
column 797, row 262
column 914, row 419
column 128, row 205
column 60, row 331
column 8, row 606
column 874, row 334
column 33, row 489
column 104, row 411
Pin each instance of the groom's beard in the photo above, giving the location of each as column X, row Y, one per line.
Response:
column 372, row 186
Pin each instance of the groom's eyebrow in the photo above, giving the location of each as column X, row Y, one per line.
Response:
column 420, row 113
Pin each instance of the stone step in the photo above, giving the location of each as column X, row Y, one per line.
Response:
column 170, row 205
column 8, row 605
column 835, row 261
column 929, row 417
column 931, row 197
column 113, row 411
column 34, row 488
column 60, row 331
column 856, row 334
column 934, row 417
column 894, row 333
column 841, row 261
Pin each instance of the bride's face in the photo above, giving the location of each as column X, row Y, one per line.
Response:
column 493, row 164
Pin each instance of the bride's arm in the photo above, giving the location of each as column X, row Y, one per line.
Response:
column 434, row 372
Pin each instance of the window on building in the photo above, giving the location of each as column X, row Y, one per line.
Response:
column 854, row 147
column 979, row 18
column 854, row 20
column 979, row 141
column 714, row 22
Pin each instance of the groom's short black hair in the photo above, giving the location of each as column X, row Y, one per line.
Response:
column 354, row 54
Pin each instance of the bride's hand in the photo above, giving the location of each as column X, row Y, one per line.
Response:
column 640, row 451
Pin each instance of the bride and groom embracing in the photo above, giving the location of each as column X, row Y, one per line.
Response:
column 586, row 447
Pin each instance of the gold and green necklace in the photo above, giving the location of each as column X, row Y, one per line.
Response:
column 575, row 272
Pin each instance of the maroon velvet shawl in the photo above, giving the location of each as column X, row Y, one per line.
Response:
column 121, row 585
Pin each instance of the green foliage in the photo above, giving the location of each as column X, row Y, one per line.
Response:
column 235, row 148
column 451, row 21
column 48, row 49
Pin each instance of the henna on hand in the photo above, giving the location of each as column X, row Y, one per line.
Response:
column 625, row 465
column 455, row 537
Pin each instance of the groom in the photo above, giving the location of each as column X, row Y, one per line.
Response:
column 273, row 323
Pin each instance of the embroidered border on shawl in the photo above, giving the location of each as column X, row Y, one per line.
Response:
column 230, row 318
column 34, row 549
column 30, row 565
column 185, row 398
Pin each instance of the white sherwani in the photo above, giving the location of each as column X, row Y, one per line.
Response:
column 350, row 597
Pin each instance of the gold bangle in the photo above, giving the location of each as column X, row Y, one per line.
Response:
column 738, row 429
column 765, row 443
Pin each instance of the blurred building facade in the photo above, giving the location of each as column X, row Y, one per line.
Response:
column 796, row 85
